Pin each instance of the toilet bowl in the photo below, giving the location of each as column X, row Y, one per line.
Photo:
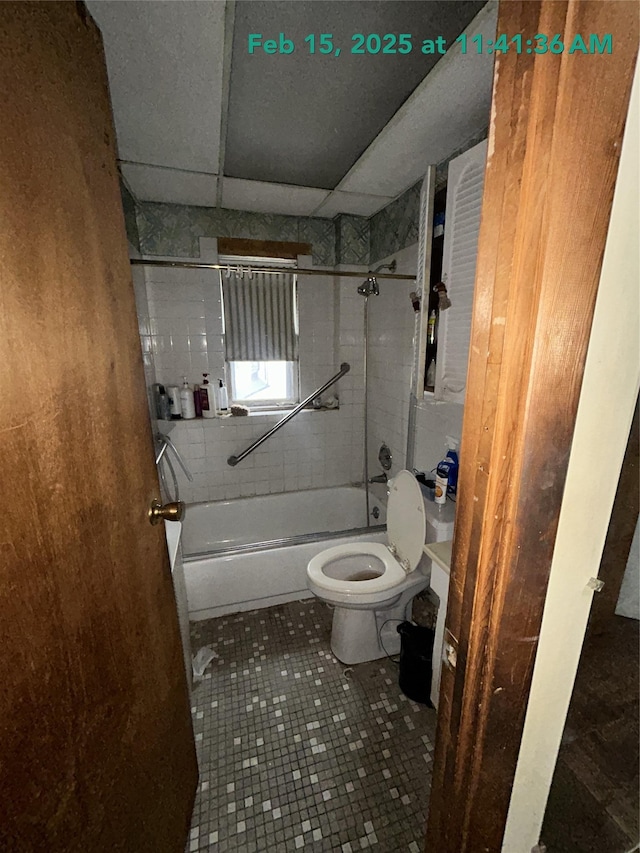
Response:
column 371, row 584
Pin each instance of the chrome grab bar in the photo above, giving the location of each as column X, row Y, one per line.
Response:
column 233, row 460
column 166, row 442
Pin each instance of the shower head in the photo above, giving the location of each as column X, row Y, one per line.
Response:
column 369, row 287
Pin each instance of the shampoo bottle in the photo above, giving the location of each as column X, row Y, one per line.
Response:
column 207, row 398
column 223, row 397
column 197, row 402
column 186, row 401
column 173, row 393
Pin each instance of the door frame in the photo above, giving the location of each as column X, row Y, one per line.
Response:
column 554, row 146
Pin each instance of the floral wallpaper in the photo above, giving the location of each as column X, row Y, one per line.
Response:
column 352, row 239
column 174, row 229
column 396, row 226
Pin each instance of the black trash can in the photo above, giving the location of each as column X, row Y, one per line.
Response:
column 416, row 651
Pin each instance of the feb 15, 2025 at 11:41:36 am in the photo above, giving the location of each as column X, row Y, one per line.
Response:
column 401, row 44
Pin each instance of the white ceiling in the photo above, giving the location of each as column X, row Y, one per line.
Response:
column 166, row 65
column 176, row 186
column 450, row 106
column 164, row 61
column 239, row 194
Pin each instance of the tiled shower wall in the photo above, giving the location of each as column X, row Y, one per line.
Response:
column 315, row 449
column 391, row 324
column 181, row 333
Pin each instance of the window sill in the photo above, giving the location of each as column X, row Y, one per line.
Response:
column 254, row 413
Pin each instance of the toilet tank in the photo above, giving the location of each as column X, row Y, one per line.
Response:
column 440, row 519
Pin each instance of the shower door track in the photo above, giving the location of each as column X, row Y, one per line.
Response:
column 269, row 544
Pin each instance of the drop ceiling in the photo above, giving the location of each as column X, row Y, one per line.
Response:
column 201, row 121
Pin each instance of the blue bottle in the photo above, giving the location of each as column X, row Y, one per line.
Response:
column 452, row 458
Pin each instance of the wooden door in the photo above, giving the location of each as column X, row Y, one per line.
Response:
column 96, row 744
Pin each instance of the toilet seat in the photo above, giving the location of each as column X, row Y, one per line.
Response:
column 406, row 519
column 392, row 573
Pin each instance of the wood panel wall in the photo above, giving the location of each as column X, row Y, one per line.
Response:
column 554, row 143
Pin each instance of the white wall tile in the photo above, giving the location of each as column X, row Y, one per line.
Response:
column 316, row 449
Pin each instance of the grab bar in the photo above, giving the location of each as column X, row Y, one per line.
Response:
column 166, row 442
column 233, row 460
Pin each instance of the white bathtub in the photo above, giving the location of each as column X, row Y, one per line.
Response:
column 235, row 556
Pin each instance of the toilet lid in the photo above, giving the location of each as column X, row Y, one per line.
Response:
column 406, row 522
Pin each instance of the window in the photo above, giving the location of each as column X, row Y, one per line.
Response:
column 261, row 332
column 263, row 381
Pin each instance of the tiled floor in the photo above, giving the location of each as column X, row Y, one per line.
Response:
column 299, row 752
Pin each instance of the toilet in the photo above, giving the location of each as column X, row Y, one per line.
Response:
column 371, row 584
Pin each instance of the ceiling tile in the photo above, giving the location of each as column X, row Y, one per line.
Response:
column 358, row 204
column 151, row 183
column 165, row 71
column 449, row 107
column 261, row 197
column 164, row 62
column 304, row 118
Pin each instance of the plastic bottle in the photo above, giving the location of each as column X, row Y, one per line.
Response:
column 197, row 402
column 442, row 481
column 161, row 402
column 173, row 393
column 166, row 407
column 431, row 374
column 223, row 397
column 207, row 398
column 452, row 458
column 431, row 328
column 186, row 401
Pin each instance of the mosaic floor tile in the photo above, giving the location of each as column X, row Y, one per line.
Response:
column 299, row 752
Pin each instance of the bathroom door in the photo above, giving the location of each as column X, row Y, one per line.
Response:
column 96, row 744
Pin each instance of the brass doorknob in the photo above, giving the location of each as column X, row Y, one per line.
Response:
column 172, row 511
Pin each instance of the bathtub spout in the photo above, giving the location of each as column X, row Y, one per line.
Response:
column 380, row 478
